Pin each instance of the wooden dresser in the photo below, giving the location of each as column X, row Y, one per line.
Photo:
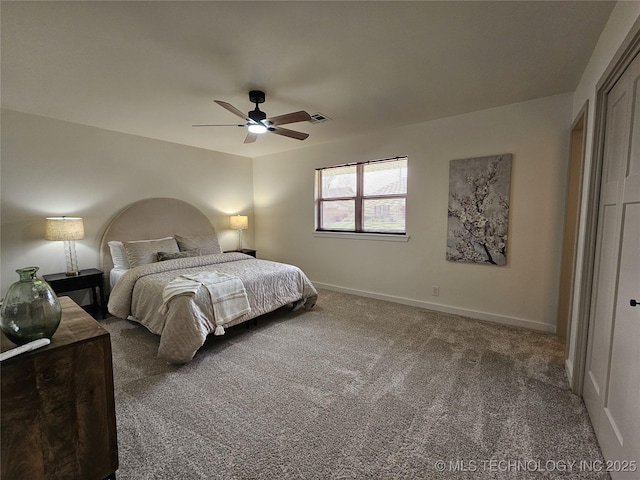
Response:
column 57, row 405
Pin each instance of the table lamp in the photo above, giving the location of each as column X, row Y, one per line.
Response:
column 239, row 223
column 68, row 230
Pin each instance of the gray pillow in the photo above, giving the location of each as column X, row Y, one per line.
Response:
column 162, row 256
column 205, row 244
column 142, row 253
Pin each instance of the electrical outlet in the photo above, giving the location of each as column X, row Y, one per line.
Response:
column 435, row 291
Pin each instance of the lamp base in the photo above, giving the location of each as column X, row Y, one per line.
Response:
column 71, row 258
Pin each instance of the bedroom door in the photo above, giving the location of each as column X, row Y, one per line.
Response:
column 612, row 370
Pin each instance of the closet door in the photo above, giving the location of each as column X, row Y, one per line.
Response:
column 612, row 373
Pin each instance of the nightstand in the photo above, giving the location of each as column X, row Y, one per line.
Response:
column 58, row 418
column 91, row 278
column 246, row 251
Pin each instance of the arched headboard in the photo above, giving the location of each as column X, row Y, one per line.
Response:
column 153, row 218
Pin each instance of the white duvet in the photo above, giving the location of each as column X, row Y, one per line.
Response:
column 189, row 319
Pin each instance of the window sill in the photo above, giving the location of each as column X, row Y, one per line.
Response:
column 363, row 236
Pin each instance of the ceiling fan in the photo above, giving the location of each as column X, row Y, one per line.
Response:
column 258, row 123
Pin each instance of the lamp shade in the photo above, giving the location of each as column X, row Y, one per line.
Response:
column 64, row 228
column 239, row 222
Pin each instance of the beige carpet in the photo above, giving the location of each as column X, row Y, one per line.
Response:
column 355, row 388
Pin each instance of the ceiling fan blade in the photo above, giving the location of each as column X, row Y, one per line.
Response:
column 289, row 133
column 209, row 125
column 233, row 110
column 294, row 117
column 251, row 137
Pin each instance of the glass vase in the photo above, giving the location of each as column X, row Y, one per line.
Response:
column 30, row 310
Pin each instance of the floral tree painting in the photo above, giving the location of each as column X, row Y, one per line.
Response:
column 479, row 209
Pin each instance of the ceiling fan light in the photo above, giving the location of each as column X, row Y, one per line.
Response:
column 257, row 128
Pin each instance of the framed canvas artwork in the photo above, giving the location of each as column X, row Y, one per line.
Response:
column 478, row 213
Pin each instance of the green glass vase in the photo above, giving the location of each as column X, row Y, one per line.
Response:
column 30, row 310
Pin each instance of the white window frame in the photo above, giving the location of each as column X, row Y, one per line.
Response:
column 358, row 199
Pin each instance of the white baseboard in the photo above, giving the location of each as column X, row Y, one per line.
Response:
column 489, row 317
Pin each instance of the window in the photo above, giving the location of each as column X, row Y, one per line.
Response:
column 369, row 197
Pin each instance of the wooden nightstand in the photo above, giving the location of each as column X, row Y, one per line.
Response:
column 58, row 417
column 91, row 278
column 247, row 251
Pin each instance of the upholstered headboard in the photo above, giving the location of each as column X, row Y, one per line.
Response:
column 152, row 218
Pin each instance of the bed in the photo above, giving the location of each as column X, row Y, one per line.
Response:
column 165, row 269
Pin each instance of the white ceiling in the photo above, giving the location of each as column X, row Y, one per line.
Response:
column 154, row 68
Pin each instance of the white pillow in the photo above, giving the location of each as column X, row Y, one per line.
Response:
column 118, row 255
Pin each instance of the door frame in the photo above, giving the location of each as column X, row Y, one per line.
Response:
column 627, row 51
column 578, row 127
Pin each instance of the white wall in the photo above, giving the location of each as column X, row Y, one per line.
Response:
column 52, row 168
column 622, row 19
column 524, row 292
